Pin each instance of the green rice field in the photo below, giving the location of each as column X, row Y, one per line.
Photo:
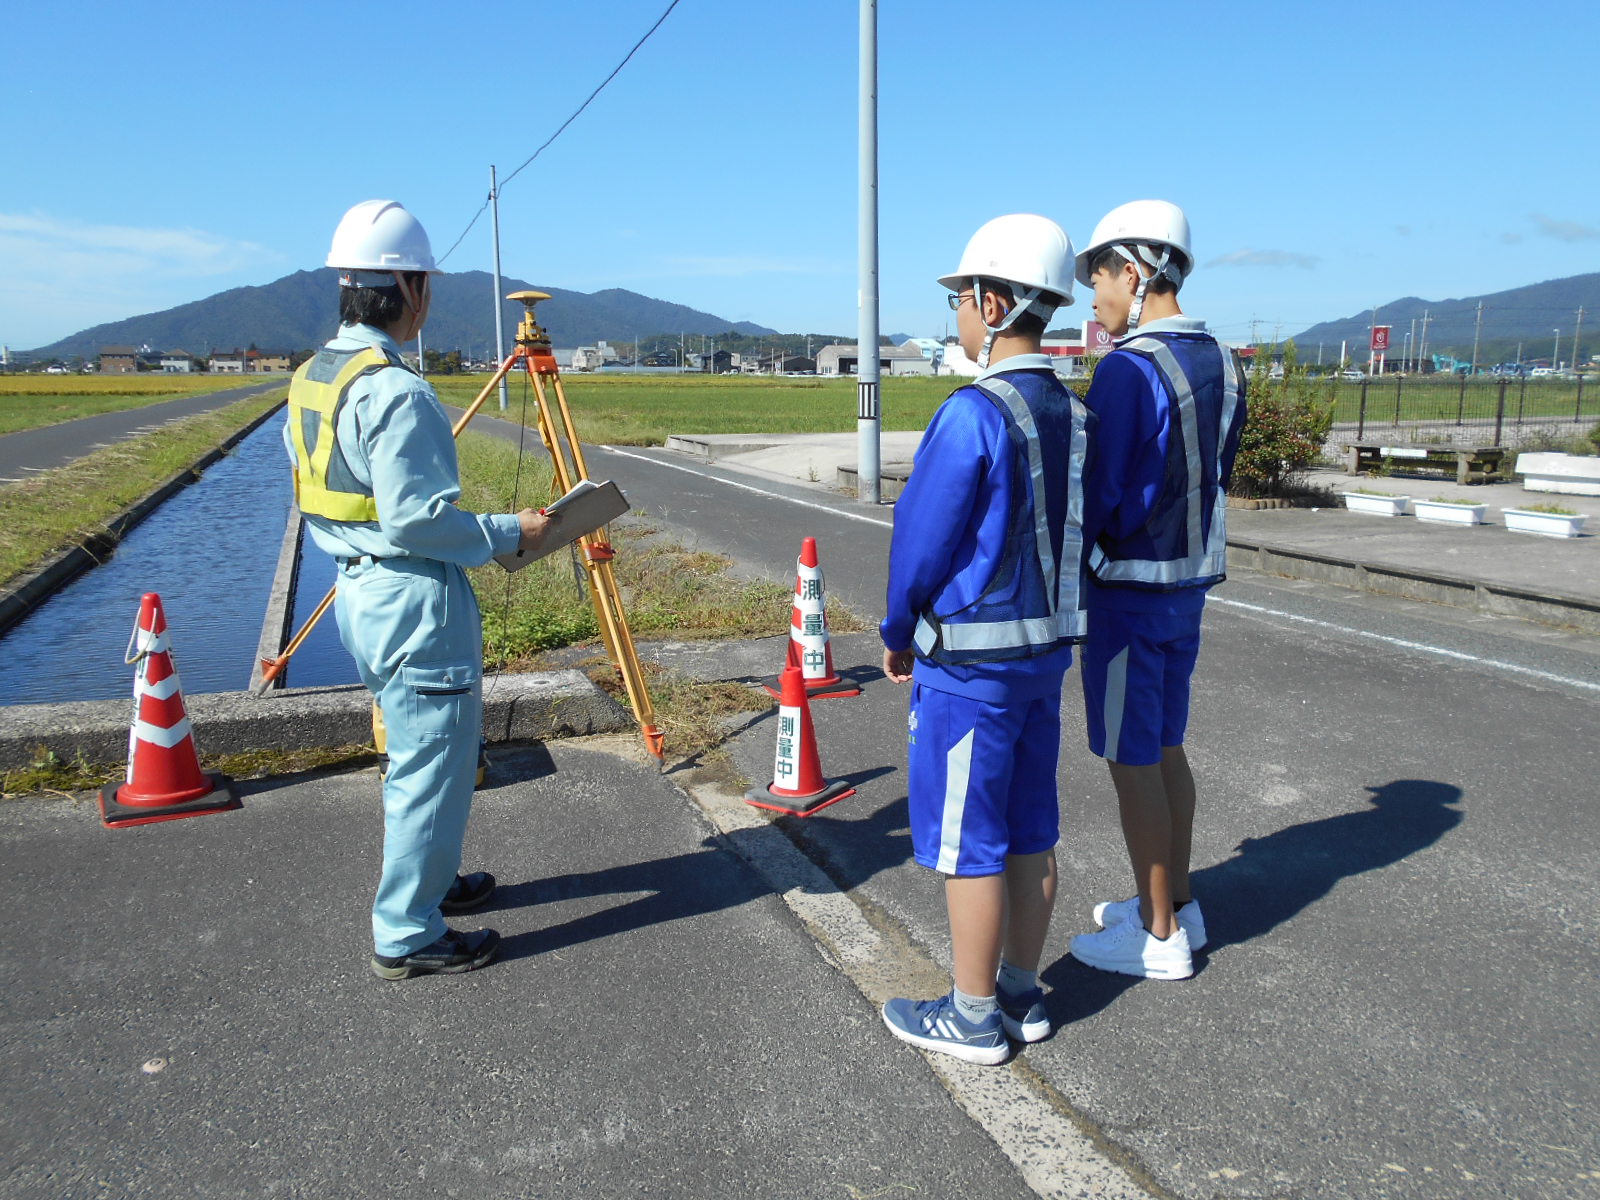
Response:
column 33, row 401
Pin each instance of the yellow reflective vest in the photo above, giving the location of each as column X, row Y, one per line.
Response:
column 324, row 485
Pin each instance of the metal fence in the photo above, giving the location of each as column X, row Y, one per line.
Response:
column 1457, row 410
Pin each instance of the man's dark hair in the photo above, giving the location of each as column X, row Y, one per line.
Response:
column 1029, row 324
column 378, row 307
column 1108, row 259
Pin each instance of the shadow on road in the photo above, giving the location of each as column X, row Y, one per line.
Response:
column 684, row 885
column 1270, row 880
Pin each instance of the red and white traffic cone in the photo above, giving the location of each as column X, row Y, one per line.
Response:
column 798, row 786
column 810, row 649
column 164, row 780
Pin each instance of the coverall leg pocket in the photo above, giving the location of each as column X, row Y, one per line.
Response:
column 439, row 699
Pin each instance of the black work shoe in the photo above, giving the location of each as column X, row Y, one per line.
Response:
column 468, row 892
column 452, row 954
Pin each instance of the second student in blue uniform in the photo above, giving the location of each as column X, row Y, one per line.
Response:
column 982, row 610
column 1170, row 406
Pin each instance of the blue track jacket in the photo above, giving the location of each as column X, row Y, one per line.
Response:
column 950, row 527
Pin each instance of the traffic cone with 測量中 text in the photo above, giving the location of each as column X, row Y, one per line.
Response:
column 810, row 648
column 798, row 786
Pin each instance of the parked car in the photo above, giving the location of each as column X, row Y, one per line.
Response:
column 1352, row 375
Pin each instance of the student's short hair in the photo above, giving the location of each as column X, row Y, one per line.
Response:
column 1030, row 323
column 378, row 307
column 1109, row 259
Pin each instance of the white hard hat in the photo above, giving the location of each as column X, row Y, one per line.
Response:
column 1143, row 223
column 1024, row 249
column 380, row 235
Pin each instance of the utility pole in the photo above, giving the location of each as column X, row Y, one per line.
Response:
column 1577, row 367
column 1422, row 346
column 1476, row 330
column 1411, row 346
column 868, row 417
column 499, row 301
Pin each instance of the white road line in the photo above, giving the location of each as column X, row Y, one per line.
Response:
column 747, row 488
column 1409, row 645
column 1056, row 1157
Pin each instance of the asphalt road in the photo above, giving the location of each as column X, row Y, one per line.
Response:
column 189, row 1013
column 1394, row 851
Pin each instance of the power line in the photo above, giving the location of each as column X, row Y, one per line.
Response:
column 563, row 128
column 464, row 232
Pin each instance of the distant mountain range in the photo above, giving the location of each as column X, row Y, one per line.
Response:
column 300, row 311
column 1526, row 315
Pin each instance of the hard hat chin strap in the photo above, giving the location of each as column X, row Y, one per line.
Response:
column 1140, row 257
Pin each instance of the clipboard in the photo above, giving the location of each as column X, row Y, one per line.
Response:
column 584, row 509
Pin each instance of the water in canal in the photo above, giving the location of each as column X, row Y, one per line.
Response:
column 210, row 552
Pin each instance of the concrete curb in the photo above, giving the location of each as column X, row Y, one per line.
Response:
column 18, row 600
column 1500, row 599
column 531, row 707
column 277, row 627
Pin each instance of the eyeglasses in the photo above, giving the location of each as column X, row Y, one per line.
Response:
column 954, row 299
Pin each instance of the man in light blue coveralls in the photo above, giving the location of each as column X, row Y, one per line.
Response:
column 375, row 475
column 982, row 611
column 1170, row 406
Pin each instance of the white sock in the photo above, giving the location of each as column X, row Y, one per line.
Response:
column 976, row 1009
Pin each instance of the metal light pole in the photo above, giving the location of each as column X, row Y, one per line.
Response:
column 1476, row 330
column 499, row 316
column 867, row 414
column 1555, row 355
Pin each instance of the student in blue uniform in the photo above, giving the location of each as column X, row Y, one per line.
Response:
column 1170, row 405
column 375, row 475
column 983, row 608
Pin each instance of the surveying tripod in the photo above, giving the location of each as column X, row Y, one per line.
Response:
column 534, row 354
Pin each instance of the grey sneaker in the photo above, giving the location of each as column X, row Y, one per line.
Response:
column 452, row 954
column 1114, row 912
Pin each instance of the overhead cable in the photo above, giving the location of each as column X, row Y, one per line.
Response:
column 575, row 115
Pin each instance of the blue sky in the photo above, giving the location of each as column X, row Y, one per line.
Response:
column 1329, row 160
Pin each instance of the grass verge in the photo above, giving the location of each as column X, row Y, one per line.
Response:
column 49, row 774
column 60, row 508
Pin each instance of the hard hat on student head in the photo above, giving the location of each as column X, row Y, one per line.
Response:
column 379, row 235
column 1030, row 252
column 1153, row 234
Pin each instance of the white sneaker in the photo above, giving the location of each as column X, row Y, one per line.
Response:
column 1114, row 912
column 1129, row 949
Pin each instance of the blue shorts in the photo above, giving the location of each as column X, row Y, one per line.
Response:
column 1136, row 668
column 982, row 780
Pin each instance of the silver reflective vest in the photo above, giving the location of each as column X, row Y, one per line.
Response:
column 1202, row 379
column 1050, row 613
